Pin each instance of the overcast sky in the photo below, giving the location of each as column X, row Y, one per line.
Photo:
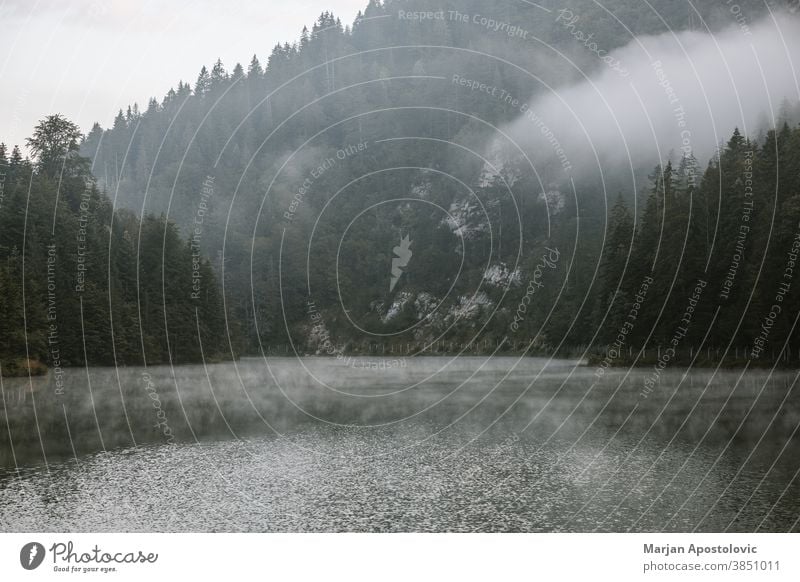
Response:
column 87, row 59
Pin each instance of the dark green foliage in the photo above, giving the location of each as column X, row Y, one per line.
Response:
column 81, row 284
column 739, row 231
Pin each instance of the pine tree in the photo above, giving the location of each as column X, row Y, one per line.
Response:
column 238, row 73
column 254, row 71
column 218, row 75
column 203, row 84
column 615, row 257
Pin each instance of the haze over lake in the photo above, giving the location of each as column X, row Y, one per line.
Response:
column 432, row 444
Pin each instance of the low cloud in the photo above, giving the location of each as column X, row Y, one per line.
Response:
column 680, row 91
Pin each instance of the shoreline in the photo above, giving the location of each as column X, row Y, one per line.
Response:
column 21, row 368
column 36, row 368
column 730, row 362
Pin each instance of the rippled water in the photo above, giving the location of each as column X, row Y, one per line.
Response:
column 425, row 444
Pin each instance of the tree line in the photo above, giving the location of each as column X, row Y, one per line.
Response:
column 83, row 284
column 721, row 246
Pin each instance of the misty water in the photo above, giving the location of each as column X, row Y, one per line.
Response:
column 418, row 444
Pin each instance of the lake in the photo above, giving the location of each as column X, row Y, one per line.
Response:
column 420, row 444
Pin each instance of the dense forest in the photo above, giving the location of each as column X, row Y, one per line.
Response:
column 711, row 262
column 299, row 178
column 81, row 283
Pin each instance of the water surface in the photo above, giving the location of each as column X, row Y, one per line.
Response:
column 427, row 444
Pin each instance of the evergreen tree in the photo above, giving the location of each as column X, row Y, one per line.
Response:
column 203, row 84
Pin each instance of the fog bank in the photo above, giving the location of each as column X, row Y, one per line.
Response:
column 673, row 92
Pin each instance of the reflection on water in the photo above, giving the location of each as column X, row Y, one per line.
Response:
column 466, row 444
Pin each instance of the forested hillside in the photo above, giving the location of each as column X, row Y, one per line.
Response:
column 83, row 284
column 301, row 174
column 711, row 264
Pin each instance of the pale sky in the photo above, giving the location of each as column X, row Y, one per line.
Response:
column 86, row 59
